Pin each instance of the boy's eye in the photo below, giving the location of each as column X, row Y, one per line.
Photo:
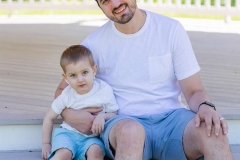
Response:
column 85, row 72
column 73, row 75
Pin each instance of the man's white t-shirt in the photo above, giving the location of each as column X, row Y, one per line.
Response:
column 144, row 68
column 101, row 95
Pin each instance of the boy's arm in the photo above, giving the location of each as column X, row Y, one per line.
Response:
column 99, row 121
column 47, row 132
column 79, row 119
column 111, row 106
column 109, row 115
column 110, row 109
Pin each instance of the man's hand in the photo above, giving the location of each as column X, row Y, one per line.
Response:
column 98, row 124
column 210, row 117
column 46, row 150
column 195, row 94
column 81, row 120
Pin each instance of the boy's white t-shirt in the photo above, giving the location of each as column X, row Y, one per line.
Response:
column 101, row 95
column 144, row 68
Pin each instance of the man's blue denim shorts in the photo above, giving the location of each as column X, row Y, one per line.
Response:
column 75, row 142
column 164, row 133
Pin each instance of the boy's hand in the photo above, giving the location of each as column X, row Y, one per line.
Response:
column 98, row 123
column 82, row 119
column 46, row 150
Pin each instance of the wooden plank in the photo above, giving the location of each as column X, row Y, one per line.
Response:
column 28, row 107
column 30, row 71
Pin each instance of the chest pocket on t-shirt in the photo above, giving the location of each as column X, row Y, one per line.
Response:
column 160, row 68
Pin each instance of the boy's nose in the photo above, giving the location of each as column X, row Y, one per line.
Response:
column 80, row 78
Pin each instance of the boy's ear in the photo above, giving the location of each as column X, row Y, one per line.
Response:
column 95, row 67
column 64, row 75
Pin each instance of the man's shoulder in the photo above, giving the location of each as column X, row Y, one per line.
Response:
column 102, row 30
column 160, row 18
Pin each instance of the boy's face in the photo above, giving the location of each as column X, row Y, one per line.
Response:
column 80, row 76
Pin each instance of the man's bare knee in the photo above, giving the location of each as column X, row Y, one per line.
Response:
column 221, row 140
column 127, row 132
column 197, row 143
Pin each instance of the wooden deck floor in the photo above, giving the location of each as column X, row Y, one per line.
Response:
column 30, row 70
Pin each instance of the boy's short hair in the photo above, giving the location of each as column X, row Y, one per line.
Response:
column 74, row 54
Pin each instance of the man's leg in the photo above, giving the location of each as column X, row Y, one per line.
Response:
column 196, row 143
column 127, row 139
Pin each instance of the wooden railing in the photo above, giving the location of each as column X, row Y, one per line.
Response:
column 227, row 8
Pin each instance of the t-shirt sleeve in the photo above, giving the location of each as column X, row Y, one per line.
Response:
column 58, row 104
column 85, row 43
column 111, row 104
column 184, row 60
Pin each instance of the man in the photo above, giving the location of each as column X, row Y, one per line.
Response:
column 148, row 60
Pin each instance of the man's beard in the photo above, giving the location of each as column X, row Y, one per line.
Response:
column 126, row 17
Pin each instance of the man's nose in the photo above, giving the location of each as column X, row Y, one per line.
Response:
column 115, row 3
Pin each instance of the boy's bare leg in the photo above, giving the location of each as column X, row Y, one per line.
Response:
column 196, row 143
column 127, row 139
column 94, row 152
column 62, row 154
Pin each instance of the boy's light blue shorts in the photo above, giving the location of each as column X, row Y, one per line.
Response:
column 164, row 133
column 75, row 142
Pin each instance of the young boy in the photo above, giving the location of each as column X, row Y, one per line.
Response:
column 84, row 91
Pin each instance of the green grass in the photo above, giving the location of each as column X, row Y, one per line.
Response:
column 212, row 2
column 47, row 12
column 98, row 11
column 236, row 18
column 3, row 12
column 197, row 16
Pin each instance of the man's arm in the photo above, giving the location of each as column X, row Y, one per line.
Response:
column 63, row 84
column 195, row 94
column 79, row 119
